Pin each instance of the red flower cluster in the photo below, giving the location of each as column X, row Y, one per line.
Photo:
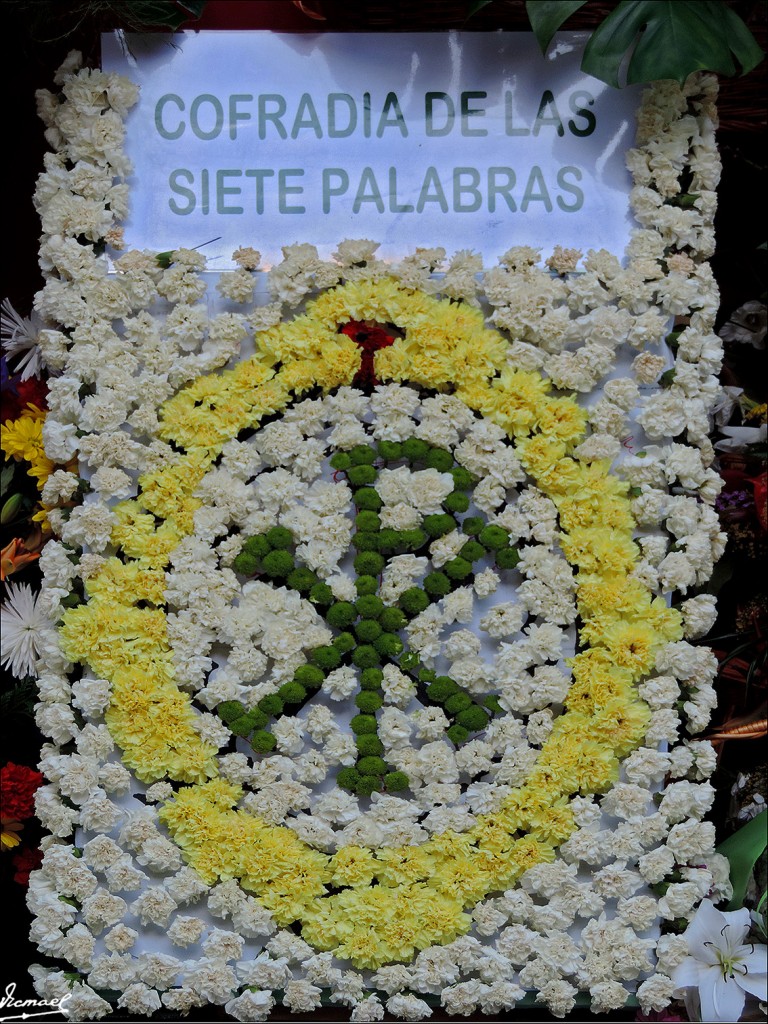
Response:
column 24, row 861
column 17, row 791
column 370, row 337
column 18, row 393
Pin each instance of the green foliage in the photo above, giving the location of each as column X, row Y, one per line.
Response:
column 743, row 849
column 667, row 39
column 371, row 678
column 341, row 614
column 371, row 766
column 457, row 734
column 472, row 525
column 394, row 782
column 245, row 724
column 546, row 18
column 301, row 579
column 389, row 645
column 245, row 564
column 494, row 538
column 368, row 784
column 412, row 540
column 392, row 619
column 368, row 563
column 279, row 538
column 409, row 660
column 369, row 745
column 472, row 550
column 439, row 459
column 257, row 546
column 292, row 693
column 326, row 658
column 473, row 718
column 6, row 476
column 458, row 702
column 51, row 20
column 366, row 656
column 390, row 450
column 230, row 710
column 458, row 568
column 367, row 521
column 368, row 498
column 441, row 689
column 348, row 779
column 437, row 584
column 414, row 449
column 390, row 542
column 278, row 564
column 507, row 558
column 258, row 718
column 363, row 725
column 344, row 642
column 439, row 525
column 366, row 585
column 271, row 704
column 368, row 630
column 362, row 455
column 493, row 705
column 263, row 741
column 674, row 38
column 359, row 476
column 321, row 594
column 19, row 699
column 369, row 606
column 457, row 501
column 368, row 701
column 340, row 460
column 462, row 478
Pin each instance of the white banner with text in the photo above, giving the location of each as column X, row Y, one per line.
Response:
column 466, row 140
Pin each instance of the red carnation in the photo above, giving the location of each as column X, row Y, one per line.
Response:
column 370, row 337
column 17, row 791
column 24, row 861
column 17, row 394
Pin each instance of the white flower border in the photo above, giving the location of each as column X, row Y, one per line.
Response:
column 571, row 324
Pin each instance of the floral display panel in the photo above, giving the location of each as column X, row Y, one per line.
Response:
column 370, row 677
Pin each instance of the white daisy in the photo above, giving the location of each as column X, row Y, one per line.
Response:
column 24, row 628
column 20, row 335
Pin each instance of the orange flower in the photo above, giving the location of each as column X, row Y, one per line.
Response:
column 15, row 556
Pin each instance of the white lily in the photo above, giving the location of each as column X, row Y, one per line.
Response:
column 722, row 968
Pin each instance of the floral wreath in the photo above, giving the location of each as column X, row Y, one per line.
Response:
column 206, row 569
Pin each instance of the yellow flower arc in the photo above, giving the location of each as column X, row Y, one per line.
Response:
column 394, row 901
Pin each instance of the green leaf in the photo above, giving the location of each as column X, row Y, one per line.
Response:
column 475, row 6
column 6, row 476
column 723, row 574
column 671, row 39
column 742, row 850
column 743, row 44
column 686, row 200
column 546, row 17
